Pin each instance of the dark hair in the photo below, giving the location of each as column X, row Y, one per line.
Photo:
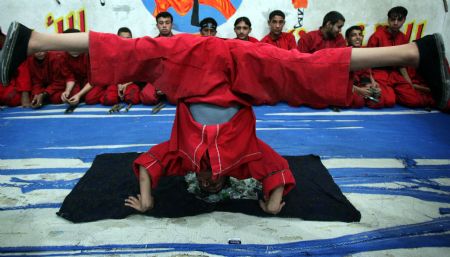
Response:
column 333, row 17
column 349, row 30
column 71, row 30
column 164, row 15
column 244, row 19
column 124, row 29
column 206, row 22
column 276, row 13
column 398, row 12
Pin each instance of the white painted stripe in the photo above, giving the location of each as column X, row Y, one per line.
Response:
column 345, row 128
column 96, row 146
column 41, row 176
column 356, row 113
column 305, row 121
column 336, row 163
column 283, row 129
column 42, row 163
column 262, row 129
column 85, row 116
column 432, row 161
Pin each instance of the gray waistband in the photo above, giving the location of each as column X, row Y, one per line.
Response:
column 208, row 114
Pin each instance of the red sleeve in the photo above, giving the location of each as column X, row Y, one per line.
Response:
column 291, row 42
column 23, row 81
column 373, row 41
column 156, row 166
column 265, row 40
column 340, row 42
column 304, row 43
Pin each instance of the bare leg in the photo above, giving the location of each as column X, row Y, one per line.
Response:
column 78, row 42
column 403, row 55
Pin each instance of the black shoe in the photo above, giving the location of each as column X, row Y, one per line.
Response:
column 433, row 68
column 14, row 50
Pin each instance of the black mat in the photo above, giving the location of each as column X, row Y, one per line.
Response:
column 100, row 194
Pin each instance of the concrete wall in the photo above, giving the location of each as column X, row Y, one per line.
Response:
column 45, row 15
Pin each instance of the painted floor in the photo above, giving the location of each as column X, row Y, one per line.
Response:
column 392, row 164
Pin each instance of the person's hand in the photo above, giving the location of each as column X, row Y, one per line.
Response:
column 421, row 88
column 74, row 100
column 271, row 207
column 363, row 91
column 141, row 204
column 65, row 96
column 37, row 101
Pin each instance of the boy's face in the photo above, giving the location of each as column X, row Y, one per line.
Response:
column 396, row 22
column 242, row 30
column 40, row 55
column 164, row 25
column 206, row 32
column 276, row 25
column 355, row 38
column 206, row 183
column 333, row 30
column 125, row 34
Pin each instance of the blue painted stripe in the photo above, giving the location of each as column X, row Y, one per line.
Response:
column 444, row 211
column 426, row 234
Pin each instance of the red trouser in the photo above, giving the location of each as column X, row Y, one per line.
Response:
column 405, row 93
column 190, row 69
column 10, row 96
column 111, row 95
column 148, row 95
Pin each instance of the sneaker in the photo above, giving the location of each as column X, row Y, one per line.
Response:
column 14, row 50
column 433, row 69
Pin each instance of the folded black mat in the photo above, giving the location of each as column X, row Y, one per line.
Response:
column 101, row 192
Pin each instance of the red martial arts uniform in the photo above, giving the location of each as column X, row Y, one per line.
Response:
column 391, row 77
column 78, row 67
column 11, row 95
column 285, row 41
column 387, row 97
column 49, row 75
column 224, row 73
column 252, row 39
column 148, row 95
column 314, row 41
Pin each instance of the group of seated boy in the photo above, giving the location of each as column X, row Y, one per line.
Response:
column 63, row 77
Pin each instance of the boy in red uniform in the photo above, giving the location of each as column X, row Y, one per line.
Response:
column 276, row 35
column 407, row 92
column 242, row 28
column 366, row 91
column 164, row 22
column 327, row 36
column 214, row 129
column 78, row 65
column 48, row 78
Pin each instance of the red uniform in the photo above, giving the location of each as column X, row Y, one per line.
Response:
column 49, row 75
column 78, row 67
column 387, row 97
column 224, row 73
column 251, row 39
column 148, row 95
column 314, row 41
column 391, row 77
column 111, row 95
column 285, row 41
column 11, row 95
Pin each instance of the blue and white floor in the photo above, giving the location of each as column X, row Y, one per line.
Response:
column 392, row 164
